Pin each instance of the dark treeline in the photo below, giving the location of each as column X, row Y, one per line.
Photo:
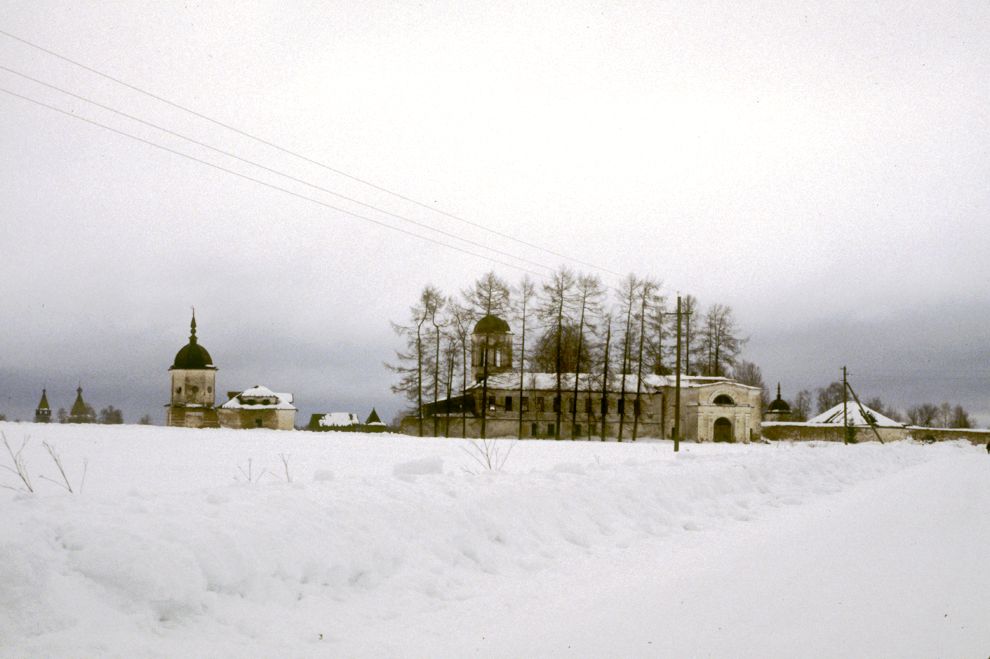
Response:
column 571, row 323
column 109, row 415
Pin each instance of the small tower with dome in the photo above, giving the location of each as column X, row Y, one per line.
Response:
column 193, row 386
column 778, row 409
column 492, row 339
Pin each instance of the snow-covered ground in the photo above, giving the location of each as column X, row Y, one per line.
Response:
column 386, row 545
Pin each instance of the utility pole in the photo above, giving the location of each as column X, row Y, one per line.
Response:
column 845, row 406
column 862, row 410
column 677, row 383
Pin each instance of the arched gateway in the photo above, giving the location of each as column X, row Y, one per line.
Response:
column 723, row 430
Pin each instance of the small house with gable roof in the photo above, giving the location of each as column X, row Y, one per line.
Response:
column 258, row 407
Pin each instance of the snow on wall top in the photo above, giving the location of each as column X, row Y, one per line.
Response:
column 259, row 397
column 833, row 417
column 339, row 420
column 651, row 382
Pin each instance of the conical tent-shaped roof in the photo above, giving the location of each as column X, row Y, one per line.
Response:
column 833, row 417
column 79, row 407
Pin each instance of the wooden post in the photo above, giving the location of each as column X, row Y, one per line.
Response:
column 845, row 408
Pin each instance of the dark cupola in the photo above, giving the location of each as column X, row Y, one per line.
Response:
column 779, row 405
column 193, row 355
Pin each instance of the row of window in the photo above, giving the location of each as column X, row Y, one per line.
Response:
column 496, row 357
column 569, row 402
column 193, row 389
column 534, row 430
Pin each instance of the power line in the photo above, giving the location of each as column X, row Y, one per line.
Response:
column 267, row 184
column 305, row 158
column 275, row 171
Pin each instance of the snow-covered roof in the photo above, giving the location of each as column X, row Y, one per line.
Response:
column 259, row 397
column 257, row 391
column 651, row 382
column 339, row 420
column 833, row 417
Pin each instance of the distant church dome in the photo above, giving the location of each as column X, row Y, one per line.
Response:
column 192, row 355
column 491, row 325
column 779, row 405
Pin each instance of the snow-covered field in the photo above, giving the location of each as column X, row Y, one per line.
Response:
column 385, row 545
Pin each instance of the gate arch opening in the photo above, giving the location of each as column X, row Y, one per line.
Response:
column 723, row 430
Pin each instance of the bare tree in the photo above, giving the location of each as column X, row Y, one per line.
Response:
column 588, row 297
column 111, row 415
column 435, row 301
column 543, row 355
column 554, row 312
column 924, row 415
column 605, row 374
column 648, row 297
column 658, row 320
column 960, row 418
column 721, row 340
column 945, row 414
column 750, row 374
column 689, row 313
column 830, row 396
column 459, row 321
column 451, row 360
column 411, row 360
column 525, row 295
column 490, row 295
column 628, row 294
column 801, row 409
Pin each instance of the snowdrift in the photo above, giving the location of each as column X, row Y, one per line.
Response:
column 171, row 550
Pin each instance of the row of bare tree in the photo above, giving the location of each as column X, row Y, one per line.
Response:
column 108, row 415
column 571, row 324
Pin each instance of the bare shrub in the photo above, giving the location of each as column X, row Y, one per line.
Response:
column 57, row 459
column 488, row 453
column 249, row 474
column 19, row 467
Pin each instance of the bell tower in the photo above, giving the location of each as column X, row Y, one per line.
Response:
column 491, row 347
column 193, row 390
column 43, row 413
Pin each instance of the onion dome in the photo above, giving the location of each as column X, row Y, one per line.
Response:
column 491, row 325
column 192, row 355
column 778, row 405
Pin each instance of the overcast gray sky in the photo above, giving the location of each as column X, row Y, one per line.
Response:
column 820, row 167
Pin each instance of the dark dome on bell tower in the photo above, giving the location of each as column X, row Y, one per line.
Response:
column 491, row 347
column 193, row 381
column 193, row 355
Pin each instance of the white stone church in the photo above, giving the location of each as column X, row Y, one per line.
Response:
column 193, row 396
column 712, row 408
